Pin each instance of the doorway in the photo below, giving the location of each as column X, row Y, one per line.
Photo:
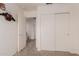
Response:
column 31, row 33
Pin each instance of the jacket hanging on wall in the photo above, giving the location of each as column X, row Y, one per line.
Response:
column 7, row 16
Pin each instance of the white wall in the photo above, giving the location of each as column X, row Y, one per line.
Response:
column 9, row 32
column 32, row 13
column 12, row 34
column 57, row 8
column 31, row 27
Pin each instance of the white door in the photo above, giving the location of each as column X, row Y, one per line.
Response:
column 62, row 32
column 47, row 32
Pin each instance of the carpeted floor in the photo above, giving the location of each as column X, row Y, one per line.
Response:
column 30, row 50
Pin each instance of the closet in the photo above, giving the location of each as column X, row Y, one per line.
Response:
column 55, row 31
column 59, row 27
column 47, row 32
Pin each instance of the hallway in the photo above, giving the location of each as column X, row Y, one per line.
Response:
column 30, row 50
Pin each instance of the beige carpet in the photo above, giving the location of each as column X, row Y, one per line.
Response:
column 30, row 50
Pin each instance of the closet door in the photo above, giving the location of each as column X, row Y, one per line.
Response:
column 47, row 32
column 62, row 32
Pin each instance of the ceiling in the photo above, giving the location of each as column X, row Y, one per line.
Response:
column 29, row 6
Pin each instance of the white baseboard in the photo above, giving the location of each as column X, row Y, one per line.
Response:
column 38, row 49
column 75, row 51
